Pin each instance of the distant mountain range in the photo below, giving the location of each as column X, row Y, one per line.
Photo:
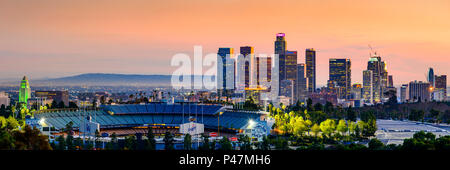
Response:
column 103, row 79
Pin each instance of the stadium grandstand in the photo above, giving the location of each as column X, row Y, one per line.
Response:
column 136, row 118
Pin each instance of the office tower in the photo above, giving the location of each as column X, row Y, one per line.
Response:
column 263, row 71
column 280, row 50
column 404, row 93
column 246, row 66
column 440, row 83
column 24, row 92
column 225, row 71
column 419, row 91
column 379, row 74
column 291, row 70
column 291, row 65
column 431, row 77
column 368, row 86
column 384, row 76
column 390, row 81
column 58, row 96
column 356, row 91
column 287, row 89
column 302, row 83
column 310, row 61
column 275, row 81
column 340, row 73
column 4, row 99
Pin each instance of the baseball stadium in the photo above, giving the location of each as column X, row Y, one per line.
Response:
column 129, row 119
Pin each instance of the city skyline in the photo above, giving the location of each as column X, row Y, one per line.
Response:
column 56, row 39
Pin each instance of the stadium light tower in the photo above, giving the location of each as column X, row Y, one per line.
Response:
column 218, row 123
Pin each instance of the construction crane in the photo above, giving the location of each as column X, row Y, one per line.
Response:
column 371, row 49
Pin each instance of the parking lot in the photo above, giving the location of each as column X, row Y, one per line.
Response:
column 394, row 132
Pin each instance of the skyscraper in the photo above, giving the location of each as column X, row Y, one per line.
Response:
column 263, row 71
column 280, row 50
column 440, row 83
column 291, row 65
column 24, row 92
column 310, row 57
column 247, row 53
column 380, row 76
column 419, row 91
column 225, row 71
column 291, row 70
column 368, row 86
column 340, row 73
column 404, row 93
column 431, row 77
column 287, row 90
column 390, row 81
column 302, row 83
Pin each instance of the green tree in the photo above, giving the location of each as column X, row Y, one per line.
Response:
column 54, row 104
column 225, row 144
column 114, row 141
column 328, row 108
column 6, row 140
column 30, row 139
column 245, row 142
column 281, row 144
column 69, row 139
column 342, row 127
column 369, row 128
column 73, row 105
column 318, row 107
column 187, row 142
column 12, row 124
column 3, row 110
column 61, row 105
column 328, row 127
column 61, row 143
column 309, row 104
column 151, row 142
column 265, row 144
column 130, row 142
column 351, row 115
column 315, row 129
column 206, row 144
column 168, row 141
column 375, row 144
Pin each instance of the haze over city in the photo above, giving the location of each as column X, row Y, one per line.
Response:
column 48, row 38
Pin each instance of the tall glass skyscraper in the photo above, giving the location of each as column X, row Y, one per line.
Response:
column 431, row 77
column 340, row 73
column 24, row 91
column 390, row 81
column 225, row 71
column 263, row 71
column 368, row 86
column 380, row 77
column 302, row 83
column 310, row 57
column 247, row 53
column 280, row 50
column 291, row 70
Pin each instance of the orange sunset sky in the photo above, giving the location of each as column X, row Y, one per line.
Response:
column 53, row 38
